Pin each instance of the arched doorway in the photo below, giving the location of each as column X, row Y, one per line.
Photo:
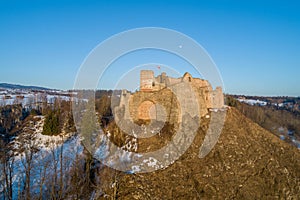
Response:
column 147, row 110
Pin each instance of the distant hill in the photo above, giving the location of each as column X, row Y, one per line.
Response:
column 16, row 86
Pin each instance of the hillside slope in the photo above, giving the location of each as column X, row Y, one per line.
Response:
column 21, row 87
column 248, row 162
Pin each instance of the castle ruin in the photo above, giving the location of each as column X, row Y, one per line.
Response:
column 155, row 91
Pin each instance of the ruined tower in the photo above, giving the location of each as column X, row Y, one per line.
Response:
column 147, row 81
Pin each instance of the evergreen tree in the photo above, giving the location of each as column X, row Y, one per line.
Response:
column 51, row 125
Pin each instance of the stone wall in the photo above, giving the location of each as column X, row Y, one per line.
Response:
column 217, row 98
column 166, row 105
column 157, row 100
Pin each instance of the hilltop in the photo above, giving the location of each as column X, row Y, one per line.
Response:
column 248, row 162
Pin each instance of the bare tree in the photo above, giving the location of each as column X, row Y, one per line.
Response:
column 28, row 149
column 61, row 169
column 77, row 178
column 44, row 167
column 7, row 166
column 55, row 171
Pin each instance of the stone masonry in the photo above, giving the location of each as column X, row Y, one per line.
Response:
column 156, row 92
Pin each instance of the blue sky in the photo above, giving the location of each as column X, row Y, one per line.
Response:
column 255, row 44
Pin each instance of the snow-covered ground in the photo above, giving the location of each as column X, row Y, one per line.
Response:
column 253, row 102
column 49, row 153
column 29, row 99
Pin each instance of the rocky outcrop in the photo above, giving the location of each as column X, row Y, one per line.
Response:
column 11, row 117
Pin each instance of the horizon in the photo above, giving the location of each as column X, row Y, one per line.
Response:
column 107, row 89
column 255, row 45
